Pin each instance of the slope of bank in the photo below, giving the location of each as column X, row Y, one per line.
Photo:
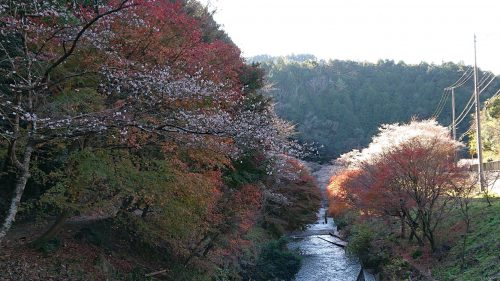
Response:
column 482, row 247
column 111, row 248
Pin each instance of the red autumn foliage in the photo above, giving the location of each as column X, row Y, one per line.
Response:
column 339, row 192
column 162, row 32
column 239, row 215
column 414, row 180
column 293, row 199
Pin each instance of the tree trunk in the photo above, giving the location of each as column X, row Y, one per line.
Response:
column 429, row 234
column 53, row 230
column 18, row 192
column 487, row 196
column 8, row 157
column 464, row 244
column 403, row 227
column 430, row 237
column 413, row 234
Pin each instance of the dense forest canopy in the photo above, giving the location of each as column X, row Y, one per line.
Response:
column 339, row 104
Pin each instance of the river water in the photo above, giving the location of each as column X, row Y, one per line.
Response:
column 323, row 260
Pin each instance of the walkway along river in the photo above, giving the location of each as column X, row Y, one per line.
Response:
column 322, row 259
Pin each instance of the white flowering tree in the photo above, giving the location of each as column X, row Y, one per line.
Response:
column 408, row 171
column 36, row 39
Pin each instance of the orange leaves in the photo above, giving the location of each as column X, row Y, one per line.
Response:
column 343, row 181
column 240, row 214
column 249, row 195
column 340, row 191
column 248, row 202
column 208, row 159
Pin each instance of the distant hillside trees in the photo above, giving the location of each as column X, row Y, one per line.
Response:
column 340, row 104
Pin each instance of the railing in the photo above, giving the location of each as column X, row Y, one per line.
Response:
column 488, row 166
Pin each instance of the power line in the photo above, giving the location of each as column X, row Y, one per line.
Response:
column 457, row 84
column 466, row 132
column 452, row 88
column 496, row 94
column 469, row 104
column 446, row 93
column 439, row 103
column 466, row 111
column 470, row 107
column 441, row 106
column 484, row 88
column 471, row 127
column 467, row 72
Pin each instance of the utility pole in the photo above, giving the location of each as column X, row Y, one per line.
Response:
column 478, row 123
column 453, row 128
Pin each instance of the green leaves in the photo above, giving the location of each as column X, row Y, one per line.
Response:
column 276, row 262
column 490, row 131
column 247, row 169
column 493, row 107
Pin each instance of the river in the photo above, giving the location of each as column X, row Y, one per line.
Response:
column 323, row 260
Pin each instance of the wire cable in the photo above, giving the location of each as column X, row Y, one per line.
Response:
column 465, row 114
column 439, row 103
column 462, row 118
column 469, row 104
column 462, row 136
column 484, row 88
column 461, row 79
column 445, row 99
column 446, row 93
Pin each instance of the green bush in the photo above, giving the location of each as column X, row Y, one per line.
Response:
column 345, row 221
column 341, row 222
column 416, row 254
column 360, row 241
column 396, row 269
column 276, row 262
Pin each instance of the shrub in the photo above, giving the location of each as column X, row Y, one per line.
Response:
column 276, row 262
column 360, row 241
column 416, row 254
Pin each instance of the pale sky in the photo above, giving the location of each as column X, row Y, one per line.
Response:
column 366, row 30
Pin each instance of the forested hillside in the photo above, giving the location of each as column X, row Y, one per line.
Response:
column 340, row 104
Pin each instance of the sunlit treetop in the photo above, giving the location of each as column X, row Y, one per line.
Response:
column 392, row 136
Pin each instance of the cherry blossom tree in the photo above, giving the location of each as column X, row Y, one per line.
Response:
column 409, row 172
column 36, row 39
column 73, row 70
